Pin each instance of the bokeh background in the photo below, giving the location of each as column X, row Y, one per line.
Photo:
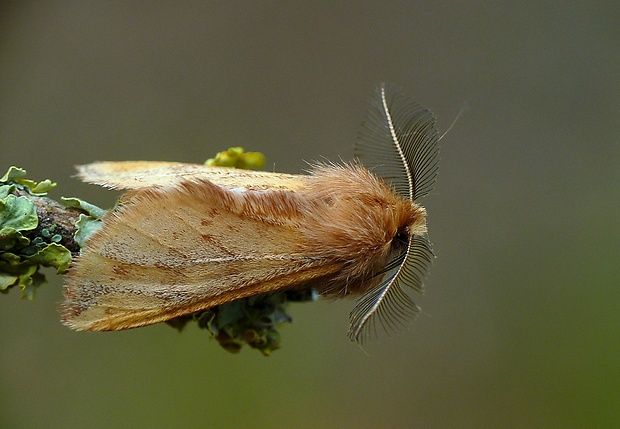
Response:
column 521, row 318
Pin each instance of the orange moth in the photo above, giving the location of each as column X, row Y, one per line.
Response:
column 190, row 237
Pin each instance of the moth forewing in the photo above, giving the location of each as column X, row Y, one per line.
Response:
column 132, row 175
column 173, row 251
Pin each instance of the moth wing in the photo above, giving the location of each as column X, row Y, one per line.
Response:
column 173, row 251
column 133, row 175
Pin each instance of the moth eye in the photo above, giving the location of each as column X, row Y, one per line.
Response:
column 401, row 239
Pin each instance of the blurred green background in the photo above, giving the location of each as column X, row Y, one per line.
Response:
column 521, row 318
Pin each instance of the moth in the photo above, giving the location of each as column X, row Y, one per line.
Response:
column 189, row 237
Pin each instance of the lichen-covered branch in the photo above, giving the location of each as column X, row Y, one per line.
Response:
column 37, row 231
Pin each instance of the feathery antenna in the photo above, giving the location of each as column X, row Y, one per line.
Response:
column 398, row 142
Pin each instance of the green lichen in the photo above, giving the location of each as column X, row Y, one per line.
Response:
column 88, row 208
column 17, row 214
column 22, row 251
column 236, row 157
column 86, row 226
column 254, row 321
column 17, row 177
column 89, row 222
